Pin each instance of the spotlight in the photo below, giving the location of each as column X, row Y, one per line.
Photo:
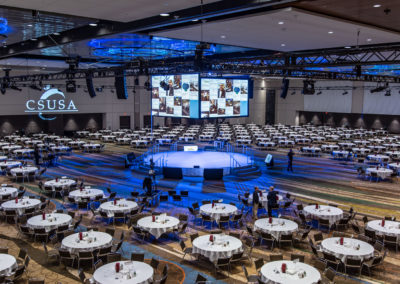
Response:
column 136, row 81
column 345, row 93
column 147, row 85
column 293, row 93
column 308, row 87
column 380, row 88
column 70, row 86
column 388, row 93
column 3, row 87
column 320, row 92
column 134, row 89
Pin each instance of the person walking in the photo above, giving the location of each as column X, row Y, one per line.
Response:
column 272, row 200
column 290, row 161
column 256, row 202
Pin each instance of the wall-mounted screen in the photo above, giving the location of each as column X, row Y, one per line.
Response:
column 224, row 97
column 175, row 95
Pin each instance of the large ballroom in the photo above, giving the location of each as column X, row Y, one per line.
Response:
column 199, row 141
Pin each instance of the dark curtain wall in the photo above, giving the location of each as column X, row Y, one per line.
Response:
column 353, row 120
column 63, row 124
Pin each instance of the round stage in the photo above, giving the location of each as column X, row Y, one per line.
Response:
column 194, row 163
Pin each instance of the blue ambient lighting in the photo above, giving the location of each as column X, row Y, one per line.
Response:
column 4, row 28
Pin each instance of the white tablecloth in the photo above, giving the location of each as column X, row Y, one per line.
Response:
column 62, row 182
column 124, row 206
column 132, row 272
column 391, row 228
column 331, row 213
column 91, row 241
column 3, row 158
column 351, row 248
column 271, row 273
column 160, row 226
column 22, row 205
column 90, row 193
column 224, row 246
column 23, row 170
column 277, row 228
column 263, row 199
column 8, row 264
column 10, row 164
column 395, row 166
column 378, row 158
column 5, row 190
column 220, row 209
column 381, row 172
column 52, row 221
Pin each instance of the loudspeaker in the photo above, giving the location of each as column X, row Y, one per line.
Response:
column 269, row 161
column 90, row 88
column 173, row 173
column 213, row 174
column 284, row 88
column 120, row 85
column 270, row 108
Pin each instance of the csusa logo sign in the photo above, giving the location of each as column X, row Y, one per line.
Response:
column 50, row 102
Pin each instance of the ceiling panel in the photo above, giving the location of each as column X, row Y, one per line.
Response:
column 120, row 10
column 287, row 29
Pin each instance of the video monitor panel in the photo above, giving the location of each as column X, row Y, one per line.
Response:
column 175, row 95
column 224, row 97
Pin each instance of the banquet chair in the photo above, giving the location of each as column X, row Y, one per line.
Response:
column 137, row 257
column 258, row 263
column 352, row 265
column 82, row 277
column 375, row 261
column 17, row 274
column 236, row 218
column 103, row 253
column 320, row 265
column 238, row 257
column 371, row 235
column 98, row 264
column 193, row 236
column 391, row 241
column 4, row 250
column 317, row 254
column 154, row 263
column 276, row 257
column 223, row 220
column 201, row 279
column 141, row 234
column 195, row 214
column 235, row 235
column 19, row 177
column 206, row 218
column 11, row 216
column 35, row 281
column 268, row 238
column 113, row 257
column 318, row 238
column 85, row 258
column 118, row 216
column 331, row 260
column 294, row 256
column 24, row 230
column 223, row 262
column 250, row 278
column 51, row 255
column 285, row 240
column 110, row 231
column 185, row 249
column 324, row 223
column 31, row 176
column 161, row 279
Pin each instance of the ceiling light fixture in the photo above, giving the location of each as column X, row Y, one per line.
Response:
column 29, row 25
column 223, row 36
column 347, row 47
column 57, row 34
column 377, row 5
column 330, row 32
column 283, row 44
column 33, row 39
column 93, row 24
column 369, row 39
column 195, row 20
column 164, row 14
column 281, row 23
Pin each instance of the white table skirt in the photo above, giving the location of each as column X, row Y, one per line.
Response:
column 62, row 182
column 123, row 206
column 8, row 190
column 381, row 172
column 8, row 264
column 277, row 228
column 90, row 193
column 271, row 273
column 23, row 170
column 22, row 205
column 331, row 213
column 91, row 241
column 132, row 272
column 52, row 221
column 220, row 209
column 203, row 246
column 348, row 249
column 158, row 228
column 391, row 228
column 10, row 164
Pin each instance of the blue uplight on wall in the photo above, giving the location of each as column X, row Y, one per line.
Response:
column 4, row 27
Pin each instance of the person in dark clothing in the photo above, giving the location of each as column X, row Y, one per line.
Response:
column 36, row 155
column 290, row 161
column 272, row 200
column 147, row 184
column 256, row 202
column 152, row 172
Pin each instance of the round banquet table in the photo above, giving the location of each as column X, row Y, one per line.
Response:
column 92, row 240
column 296, row 273
column 91, row 146
column 52, row 221
column 220, row 209
column 23, row 170
column 23, row 151
column 8, row 264
column 11, row 148
column 264, row 199
column 351, row 248
column 122, row 206
column 6, row 190
column 224, row 246
column 378, row 158
column 277, row 228
column 10, row 164
column 381, row 172
column 22, row 205
column 395, row 166
column 160, row 226
column 86, row 193
column 61, row 182
column 3, row 158
column 331, row 213
column 132, row 272
column 391, row 228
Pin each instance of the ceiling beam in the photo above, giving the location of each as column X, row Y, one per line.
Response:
column 208, row 12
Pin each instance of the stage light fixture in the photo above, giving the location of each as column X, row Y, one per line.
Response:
column 388, row 93
column 380, row 88
column 308, row 87
column 70, row 86
column 345, row 93
column 33, row 86
column 147, row 85
column 15, row 87
column 293, row 93
column 319, row 93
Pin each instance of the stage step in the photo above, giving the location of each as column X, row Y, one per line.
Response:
column 247, row 171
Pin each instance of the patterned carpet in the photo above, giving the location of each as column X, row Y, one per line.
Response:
column 320, row 179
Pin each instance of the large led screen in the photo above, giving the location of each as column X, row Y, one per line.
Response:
column 224, row 97
column 175, row 95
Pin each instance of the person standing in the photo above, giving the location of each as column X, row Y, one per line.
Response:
column 272, row 200
column 36, row 155
column 148, row 184
column 256, row 202
column 290, row 161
